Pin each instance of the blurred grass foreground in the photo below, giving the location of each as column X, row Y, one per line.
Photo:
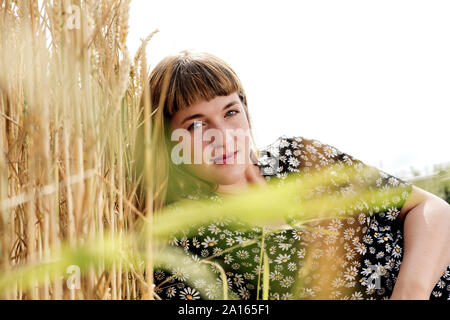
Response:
column 69, row 99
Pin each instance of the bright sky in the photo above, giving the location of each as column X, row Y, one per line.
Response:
column 371, row 78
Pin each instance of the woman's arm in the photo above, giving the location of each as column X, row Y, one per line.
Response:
column 426, row 256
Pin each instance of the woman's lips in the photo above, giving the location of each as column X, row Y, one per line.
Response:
column 226, row 159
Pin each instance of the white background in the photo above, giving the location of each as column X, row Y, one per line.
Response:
column 371, row 78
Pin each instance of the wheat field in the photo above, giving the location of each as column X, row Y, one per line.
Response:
column 69, row 90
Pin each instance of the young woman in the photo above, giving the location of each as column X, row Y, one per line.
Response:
column 399, row 251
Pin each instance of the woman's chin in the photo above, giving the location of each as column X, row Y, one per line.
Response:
column 228, row 174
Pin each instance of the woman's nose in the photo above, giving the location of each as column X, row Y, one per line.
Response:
column 224, row 135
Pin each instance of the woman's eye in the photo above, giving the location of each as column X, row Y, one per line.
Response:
column 236, row 112
column 195, row 125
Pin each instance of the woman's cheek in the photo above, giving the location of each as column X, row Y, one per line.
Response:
column 199, row 150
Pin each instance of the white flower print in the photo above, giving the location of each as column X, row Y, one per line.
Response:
column 392, row 213
column 275, row 275
column 184, row 243
column 228, row 258
column 335, row 225
column 331, row 251
column 189, row 294
column 338, row 282
column 244, row 293
column 274, row 296
column 301, row 253
column 278, row 267
column 350, row 254
column 287, row 296
column 370, row 289
column 230, row 241
column 287, row 282
column 357, row 296
column 199, row 283
column 393, row 181
column 179, row 274
column 397, row 251
column 349, row 233
column 171, row 292
column 280, row 237
column 272, row 250
column 310, row 149
column 297, row 233
column 379, row 181
column 212, row 292
column 209, row 242
column 214, row 229
column 249, row 276
column 241, row 239
column 195, row 242
column 317, row 253
column 284, row 144
column 441, row 284
column 380, row 255
column 242, row 254
column 368, row 239
column 159, row 274
column 238, row 280
column 292, row 266
column 282, row 258
column 204, row 253
column 294, row 162
column 436, row 294
column 361, row 248
column 284, row 246
column 350, row 273
column 390, row 264
column 330, row 151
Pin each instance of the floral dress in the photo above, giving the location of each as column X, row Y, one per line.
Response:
column 356, row 256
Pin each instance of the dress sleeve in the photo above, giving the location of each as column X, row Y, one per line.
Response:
column 387, row 193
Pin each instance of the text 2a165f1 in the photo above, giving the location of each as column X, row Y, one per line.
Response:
column 242, row 309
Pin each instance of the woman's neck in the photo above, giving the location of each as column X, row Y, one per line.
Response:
column 252, row 176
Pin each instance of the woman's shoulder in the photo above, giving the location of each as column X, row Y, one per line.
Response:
column 303, row 143
column 292, row 153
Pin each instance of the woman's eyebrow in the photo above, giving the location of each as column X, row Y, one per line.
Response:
column 199, row 115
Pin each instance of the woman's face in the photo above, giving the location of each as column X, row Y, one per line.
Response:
column 215, row 144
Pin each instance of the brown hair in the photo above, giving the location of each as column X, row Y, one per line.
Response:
column 177, row 82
